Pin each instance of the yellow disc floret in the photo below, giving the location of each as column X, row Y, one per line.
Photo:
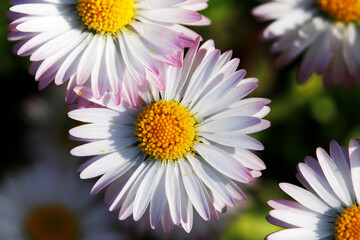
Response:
column 106, row 16
column 341, row 10
column 348, row 224
column 52, row 222
column 166, row 130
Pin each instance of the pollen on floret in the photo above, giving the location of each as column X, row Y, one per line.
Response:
column 106, row 16
column 341, row 10
column 166, row 130
column 348, row 224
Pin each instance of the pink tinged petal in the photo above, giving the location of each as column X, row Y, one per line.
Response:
column 122, row 160
column 130, row 90
column 234, row 139
column 204, row 21
column 163, row 55
column 17, row 36
column 172, row 190
column 114, row 67
column 303, row 219
column 100, row 115
column 229, row 124
column 146, row 189
column 106, row 101
column 44, row 81
column 307, row 199
column 249, row 159
column 171, row 15
column 157, row 81
column 158, row 202
column 127, row 207
column 166, row 220
column 160, row 36
column 172, row 80
column 143, row 55
column 38, row 9
column 320, row 186
column 232, row 96
column 71, row 96
column 102, row 147
column 216, row 158
column 334, row 176
column 195, row 191
column 354, row 149
column 43, row 24
column 132, row 65
column 211, row 180
column 87, row 60
column 110, row 177
column 299, row 234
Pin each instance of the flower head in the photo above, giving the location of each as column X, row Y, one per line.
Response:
column 329, row 206
column 181, row 147
column 39, row 204
column 326, row 32
column 110, row 45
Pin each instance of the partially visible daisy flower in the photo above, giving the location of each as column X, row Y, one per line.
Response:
column 182, row 147
column 329, row 206
column 110, row 45
column 48, row 201
column 326, row 31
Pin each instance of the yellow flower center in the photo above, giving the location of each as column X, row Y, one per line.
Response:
column 341, row 10
column 52, row 222
column 106, row 16
column 348, row 224
column 166, row 130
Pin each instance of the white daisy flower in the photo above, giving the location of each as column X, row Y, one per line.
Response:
column 329, row 206
column 182, row 147
column 326, row 31
column 48, row 201
column 111, row 45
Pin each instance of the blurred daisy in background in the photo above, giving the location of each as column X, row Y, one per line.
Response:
column 326, row 31
column 109, row 45
column 329, row 206
column 182, row 147
column 47, row 201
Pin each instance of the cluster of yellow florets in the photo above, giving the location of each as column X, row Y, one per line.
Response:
column 106, row 16
column 348, row 224
column 341, row 10
column 165, row 130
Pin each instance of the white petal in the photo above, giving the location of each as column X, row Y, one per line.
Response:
column 224, row 162
column 172, row 189
column 234, row 139
column 354, row 149
column 334, row 176
column 157, row 203
column 228, row 124
column 298, row 234
column 195, row 190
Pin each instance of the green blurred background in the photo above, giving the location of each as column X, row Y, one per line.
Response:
column 302, row 117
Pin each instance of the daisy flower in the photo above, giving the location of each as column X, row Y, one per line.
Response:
column 326, row 32
column 110, row 45
column 328, row 207
column 182, row 147
column 39, row 204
